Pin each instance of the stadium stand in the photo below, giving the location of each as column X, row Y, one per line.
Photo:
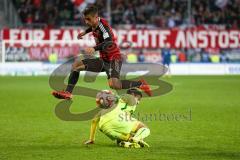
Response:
column 151, row 14
column 160, row 13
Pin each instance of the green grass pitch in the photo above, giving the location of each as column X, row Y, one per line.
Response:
column 29, row 128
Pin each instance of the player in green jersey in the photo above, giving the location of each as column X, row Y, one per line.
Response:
column 119, row 125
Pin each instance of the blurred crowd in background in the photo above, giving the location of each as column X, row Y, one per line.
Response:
column 171, row 13
column 156, row 13
column 180, row 56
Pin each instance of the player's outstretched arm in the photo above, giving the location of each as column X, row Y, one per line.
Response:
column 107, row 37
column 93, row 131
column 99, row 47
column 81, row 34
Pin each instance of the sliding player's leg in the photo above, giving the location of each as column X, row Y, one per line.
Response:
column 119, row 128
column 140, row 132
column 121, row 136
column 115, row 134
column 136, row 131
column 122, row 130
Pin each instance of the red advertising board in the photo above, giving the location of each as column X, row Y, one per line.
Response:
column 151, row 38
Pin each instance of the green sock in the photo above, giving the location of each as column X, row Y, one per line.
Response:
column 141, row 134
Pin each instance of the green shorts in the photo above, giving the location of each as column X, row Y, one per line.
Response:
column 120, row 130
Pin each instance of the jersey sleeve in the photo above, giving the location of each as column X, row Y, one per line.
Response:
column 88, row 30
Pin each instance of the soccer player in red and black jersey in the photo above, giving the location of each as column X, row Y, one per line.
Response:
column 110, row 59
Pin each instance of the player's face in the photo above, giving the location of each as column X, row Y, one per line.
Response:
column 138, row 98
column 91, row 20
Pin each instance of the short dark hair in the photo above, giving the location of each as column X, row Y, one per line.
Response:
column 134, row 91
column 90, row 10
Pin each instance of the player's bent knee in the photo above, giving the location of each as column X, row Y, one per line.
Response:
column 114, row 86
column 141, row 125
column 78, row 66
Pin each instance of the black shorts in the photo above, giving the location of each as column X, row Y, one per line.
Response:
column 112, row 68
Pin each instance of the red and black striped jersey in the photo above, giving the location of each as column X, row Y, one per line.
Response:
column 105, row 41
